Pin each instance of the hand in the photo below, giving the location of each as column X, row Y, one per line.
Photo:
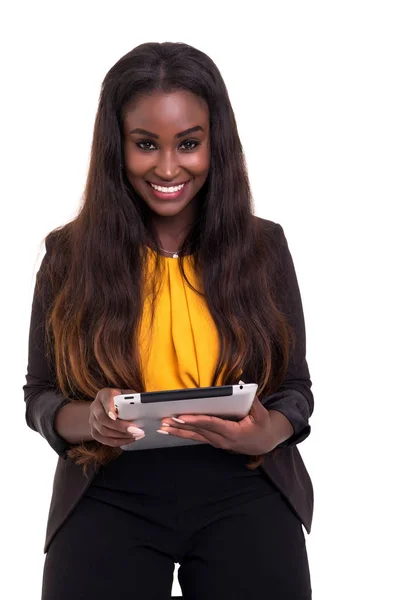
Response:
column 105, row 426
column 252, row 435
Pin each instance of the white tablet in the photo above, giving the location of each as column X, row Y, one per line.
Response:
column 231, row 402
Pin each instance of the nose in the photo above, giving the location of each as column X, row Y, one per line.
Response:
column 167, row 165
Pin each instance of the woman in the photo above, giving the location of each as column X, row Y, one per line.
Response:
column 167, row 280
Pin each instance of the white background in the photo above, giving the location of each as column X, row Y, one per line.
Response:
column 315, row 90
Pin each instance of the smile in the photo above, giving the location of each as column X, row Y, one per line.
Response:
column 167, row 190
column 168, row 193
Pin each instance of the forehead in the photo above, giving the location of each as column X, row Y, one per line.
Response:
column 163, row 112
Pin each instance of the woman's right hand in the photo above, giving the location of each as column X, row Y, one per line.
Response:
column 105, row 427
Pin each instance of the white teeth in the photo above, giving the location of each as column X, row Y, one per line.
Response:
column 167, row 189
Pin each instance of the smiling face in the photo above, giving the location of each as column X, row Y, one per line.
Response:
column 166, row 143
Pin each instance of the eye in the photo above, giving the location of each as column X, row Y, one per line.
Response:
column 187, row 145
column 140, row 145
column 195, row 142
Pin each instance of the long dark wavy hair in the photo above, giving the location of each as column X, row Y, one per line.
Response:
column 95, row 263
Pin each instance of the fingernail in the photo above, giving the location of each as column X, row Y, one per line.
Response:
column 161, row 431
column 166, row 424
column 177, row 420
column 139, row 437
column 112, row 416
column 134, row 430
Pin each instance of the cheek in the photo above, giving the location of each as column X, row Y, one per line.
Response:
column 136, row 163
column 199, row 164
column 137, row 166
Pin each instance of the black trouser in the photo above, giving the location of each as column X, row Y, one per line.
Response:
column 229, row 528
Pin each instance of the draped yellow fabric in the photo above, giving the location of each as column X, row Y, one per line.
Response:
column 181, row 349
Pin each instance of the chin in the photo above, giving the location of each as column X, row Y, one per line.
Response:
column 167, row 210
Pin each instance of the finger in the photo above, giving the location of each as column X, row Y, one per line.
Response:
column 189, row 432
column 257, row 412
column 217, row 425
column 186, row 434
column 105, row 428
column 103, row 420
column 115, row 442
column 107, row 402
column 122, row 433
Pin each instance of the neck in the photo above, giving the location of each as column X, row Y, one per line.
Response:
column 172, row 231
column 171, row 238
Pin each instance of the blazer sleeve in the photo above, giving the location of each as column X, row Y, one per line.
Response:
column 294, row 397
column 42, row 396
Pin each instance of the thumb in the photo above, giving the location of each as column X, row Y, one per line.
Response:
column 257, row 411
column 111, row 409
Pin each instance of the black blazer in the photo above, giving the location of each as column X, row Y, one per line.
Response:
column 294, row 399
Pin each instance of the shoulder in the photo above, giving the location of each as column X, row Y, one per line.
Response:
column 57, row 250
column 55, row 260
column 269, row 233
column 272, row 245
column 56, row 238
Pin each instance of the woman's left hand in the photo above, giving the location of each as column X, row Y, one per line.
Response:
column 252, row 435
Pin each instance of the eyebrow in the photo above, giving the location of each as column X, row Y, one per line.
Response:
column 178, row 135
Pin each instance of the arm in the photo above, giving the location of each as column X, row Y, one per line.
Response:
column 72, row 422
column 43, row 398
column 294, row 399
column 281, row 427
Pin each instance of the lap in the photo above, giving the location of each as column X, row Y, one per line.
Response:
column 99, row 554
column 256, row 551
column 234, row 537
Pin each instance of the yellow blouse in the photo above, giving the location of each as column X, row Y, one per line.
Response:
column 181, row 349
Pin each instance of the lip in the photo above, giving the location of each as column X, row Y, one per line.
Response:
column 169, row 184
column 169, row 195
